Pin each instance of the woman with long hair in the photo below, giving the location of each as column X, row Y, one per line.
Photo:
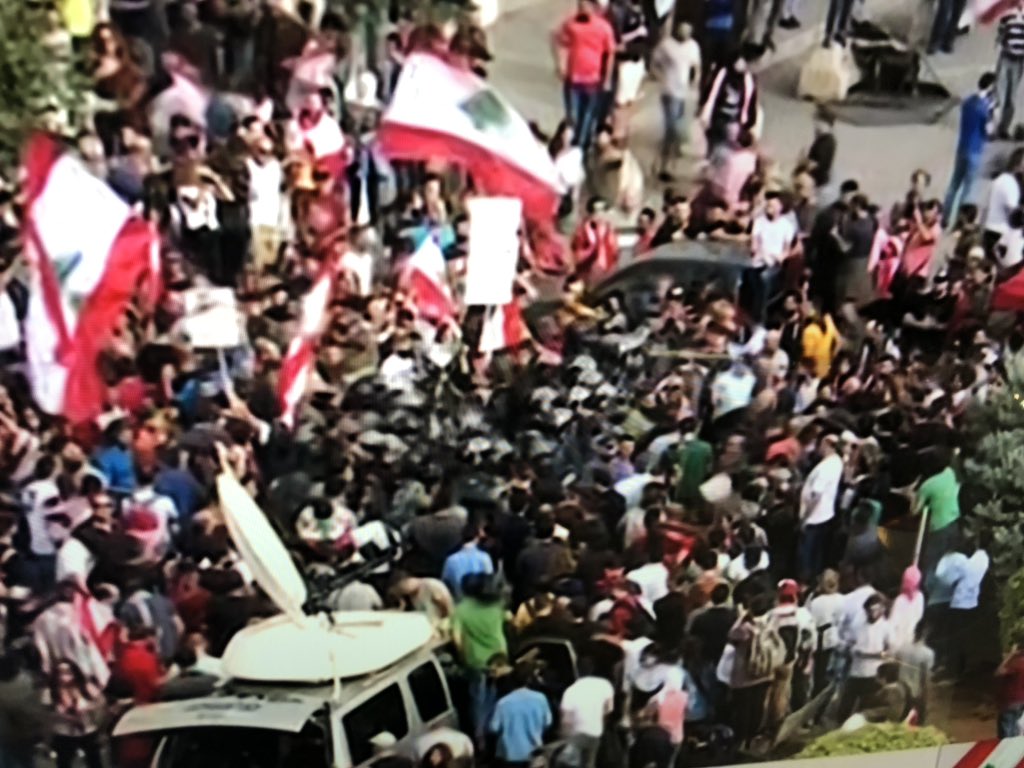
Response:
column 77, row 705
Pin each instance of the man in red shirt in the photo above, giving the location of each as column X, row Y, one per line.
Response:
column 584, row 48
column 595, row 246
column 139, row 671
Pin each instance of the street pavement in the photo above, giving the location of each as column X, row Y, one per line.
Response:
column 881, row 158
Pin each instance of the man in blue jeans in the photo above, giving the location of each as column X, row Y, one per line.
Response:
column 584, row 50
column 975, row 121
column 818, row 508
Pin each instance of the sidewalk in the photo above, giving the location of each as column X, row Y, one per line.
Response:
column 881, row 158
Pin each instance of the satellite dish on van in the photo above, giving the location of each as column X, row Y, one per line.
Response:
column 261, row 549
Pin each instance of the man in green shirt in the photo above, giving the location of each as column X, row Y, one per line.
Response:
column 694, row 460
column 478, row 628
column 939, row 498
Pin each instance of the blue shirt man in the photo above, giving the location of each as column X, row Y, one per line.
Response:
column 519, row 720
column 975, row 118
column 467, row 560
column 115, row 462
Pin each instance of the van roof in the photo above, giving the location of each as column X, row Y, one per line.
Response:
column 250, row 704
column 345, row 645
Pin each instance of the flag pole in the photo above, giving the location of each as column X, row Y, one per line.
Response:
column 920, row 536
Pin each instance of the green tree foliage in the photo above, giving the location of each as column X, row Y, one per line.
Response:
column 994, row 489
column 994, row 470
column 881, row 737
column 1011, row 610
column 37, row 78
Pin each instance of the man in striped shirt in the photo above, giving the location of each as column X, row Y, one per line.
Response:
column 1011, row 65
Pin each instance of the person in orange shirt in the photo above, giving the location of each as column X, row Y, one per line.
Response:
column 820, row 341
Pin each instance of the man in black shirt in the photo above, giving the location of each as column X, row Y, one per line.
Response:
column 711, row 626
column 676, row 223
column 822, row 152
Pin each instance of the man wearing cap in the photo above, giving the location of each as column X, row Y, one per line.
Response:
column 818, row 508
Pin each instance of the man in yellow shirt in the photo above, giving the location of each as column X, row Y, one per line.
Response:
column 821, row 341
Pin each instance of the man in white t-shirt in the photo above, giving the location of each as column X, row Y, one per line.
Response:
column 772, row 238
column 818, row 508
column 266, row 179
column 1003, row 197
column 585, row 707
column 652, row 578
column 357, row 264
column 872, row 645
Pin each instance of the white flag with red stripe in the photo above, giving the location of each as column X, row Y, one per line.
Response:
column 88, row 256
column 503, row 328
column 439, row 111
column 989, row 11
column 297, row 365
column 428, row 282
column 1008, row 753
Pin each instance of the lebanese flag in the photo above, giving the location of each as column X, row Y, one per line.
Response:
column 438, row 111
column 297, row 365
column 988, row 11
column 88, row 256
column 427, row 277
column 503, row 328
column 1008, row 753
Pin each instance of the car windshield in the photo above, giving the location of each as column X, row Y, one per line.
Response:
column 221, row 747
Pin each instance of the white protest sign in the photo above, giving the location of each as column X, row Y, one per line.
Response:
column 493, row 249
column 211, row 318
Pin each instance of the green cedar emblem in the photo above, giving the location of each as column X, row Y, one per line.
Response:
column 487, row 111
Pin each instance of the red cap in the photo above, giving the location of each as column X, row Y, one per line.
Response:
column 789, row 590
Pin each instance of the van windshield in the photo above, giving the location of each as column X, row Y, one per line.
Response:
column 222, row 747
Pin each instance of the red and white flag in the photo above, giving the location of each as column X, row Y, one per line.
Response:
column 427, row 277
column 438, row 111
column 989, row 11
column 297, row 365
column 88, row 256
column 503, row 328
column 1008, row 753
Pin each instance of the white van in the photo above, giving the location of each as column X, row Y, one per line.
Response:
column 302, row 691
column 378, row 674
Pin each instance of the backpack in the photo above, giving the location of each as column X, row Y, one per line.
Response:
column 767, row 651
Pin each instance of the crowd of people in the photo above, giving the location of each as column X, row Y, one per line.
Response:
column 695, row 486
